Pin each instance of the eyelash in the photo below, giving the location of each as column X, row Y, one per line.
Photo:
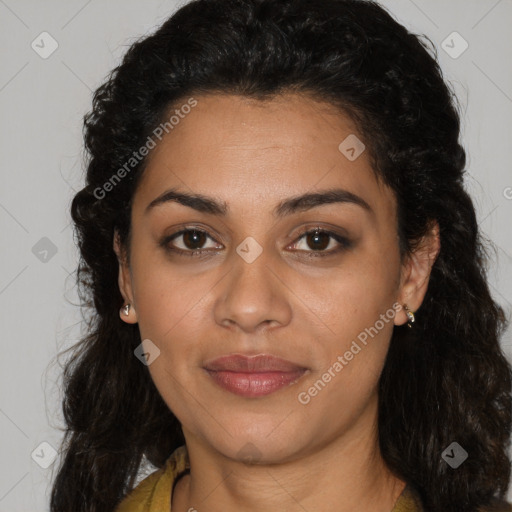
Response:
column 344, row 243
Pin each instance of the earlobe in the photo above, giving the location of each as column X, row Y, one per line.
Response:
column 416, row 274
column 127, row 312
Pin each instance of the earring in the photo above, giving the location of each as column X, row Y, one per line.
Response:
column 126, row 309
column 410, row 316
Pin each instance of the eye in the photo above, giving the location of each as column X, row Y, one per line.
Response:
column 192, row 241
column 319, row 240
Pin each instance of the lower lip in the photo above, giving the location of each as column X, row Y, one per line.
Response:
column 254, row 384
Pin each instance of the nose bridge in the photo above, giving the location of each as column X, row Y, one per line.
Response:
column 252, row 293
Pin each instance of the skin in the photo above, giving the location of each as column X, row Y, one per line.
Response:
column 323, row 455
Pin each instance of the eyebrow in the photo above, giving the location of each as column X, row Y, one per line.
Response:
column 212, row 206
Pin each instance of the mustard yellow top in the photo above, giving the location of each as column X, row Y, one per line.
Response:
column 153, row 494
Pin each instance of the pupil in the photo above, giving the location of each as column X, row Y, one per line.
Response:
column 315, row 236
column 192, row 234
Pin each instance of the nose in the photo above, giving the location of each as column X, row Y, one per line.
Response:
column 253, row 296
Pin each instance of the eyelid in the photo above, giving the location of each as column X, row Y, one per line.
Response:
column 343, row 241
column 184, row 230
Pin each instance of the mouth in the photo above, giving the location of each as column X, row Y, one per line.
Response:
column 253, row 376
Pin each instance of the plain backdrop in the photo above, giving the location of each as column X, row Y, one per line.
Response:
column 43, row 97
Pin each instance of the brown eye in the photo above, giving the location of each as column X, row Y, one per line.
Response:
column 316, row 242
column 192, row 244
column 192, row 238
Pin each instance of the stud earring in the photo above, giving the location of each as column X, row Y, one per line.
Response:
column 126, row 309
column 410, row 316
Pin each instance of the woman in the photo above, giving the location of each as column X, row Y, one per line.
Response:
column 287, row 281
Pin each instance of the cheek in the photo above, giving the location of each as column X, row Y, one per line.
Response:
column 358, row 310
column 166, row 296
column 173, row 309
column 352, row 355
column 354, row 296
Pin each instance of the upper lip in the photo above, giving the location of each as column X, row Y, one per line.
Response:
column 258, row 363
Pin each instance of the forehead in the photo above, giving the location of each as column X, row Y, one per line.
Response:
column 246, row 150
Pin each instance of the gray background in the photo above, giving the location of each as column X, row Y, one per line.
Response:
column 42, row 102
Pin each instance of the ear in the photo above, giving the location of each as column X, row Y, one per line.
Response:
column 415, row 272
column 125, row 281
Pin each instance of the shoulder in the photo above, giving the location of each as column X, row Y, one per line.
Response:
column 408, row 501
column 154, row 492
column 138, row 499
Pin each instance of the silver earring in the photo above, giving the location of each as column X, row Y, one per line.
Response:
column 126, row 309
column 410, row 316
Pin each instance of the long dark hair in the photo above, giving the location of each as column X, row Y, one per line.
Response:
column 445, row 380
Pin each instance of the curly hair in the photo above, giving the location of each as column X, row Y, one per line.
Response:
column 445, row 380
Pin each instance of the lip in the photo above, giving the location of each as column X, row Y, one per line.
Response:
column 253, row 376
column 252, row 364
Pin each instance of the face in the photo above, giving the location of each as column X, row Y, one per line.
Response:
column 249, row 275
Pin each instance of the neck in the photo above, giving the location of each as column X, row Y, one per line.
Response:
column 345, row 474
